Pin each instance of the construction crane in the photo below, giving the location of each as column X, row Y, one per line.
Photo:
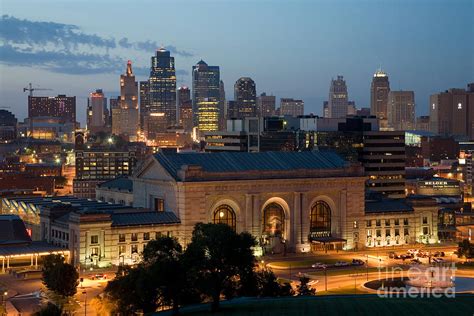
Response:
column 31, row 89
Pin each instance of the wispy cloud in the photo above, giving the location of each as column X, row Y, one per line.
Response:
column 64, row 48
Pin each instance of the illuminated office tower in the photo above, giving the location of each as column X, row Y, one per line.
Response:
column 144, row 100
column 206, row 96
column 291, row 107
column 338, row 103
column 401, row 110
column 62, row 107
column 379, row 91
column 452, row 112
column 266, row 105
column 185, row 108
column 222, row 107
column 125, row 120
column 97, row 112
column 245, row 96
column 162, row 88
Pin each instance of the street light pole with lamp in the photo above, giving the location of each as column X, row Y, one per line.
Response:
column 4, row 301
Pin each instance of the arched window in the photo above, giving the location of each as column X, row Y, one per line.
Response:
column 224, row 214
column 273, row 220
column 320, row 218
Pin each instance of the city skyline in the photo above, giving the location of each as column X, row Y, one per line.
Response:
column 306, row 77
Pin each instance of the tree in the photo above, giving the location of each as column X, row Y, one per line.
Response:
column 49, row 309
column 263, row 283
column 269, row 287
column 133, row 290
column 304, row 289
column 160, row 280
column 59, row 276
column 465, row 249
column 164, row 258
column 218, row 254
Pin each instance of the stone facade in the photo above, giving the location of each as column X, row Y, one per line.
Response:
column 195, row 195
column 197, row 201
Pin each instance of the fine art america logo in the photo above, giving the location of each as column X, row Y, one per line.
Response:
column 435, row 281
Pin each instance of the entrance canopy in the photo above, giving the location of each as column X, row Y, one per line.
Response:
column 326, row 240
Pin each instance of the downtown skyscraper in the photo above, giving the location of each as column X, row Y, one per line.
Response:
column 245, row 96
column 162, row 88
column 185, row 108
column 379, row 90
column 338, row 102
column 452, row 112
column 401, row 110
column 125, row 120
column 97, row 112
column 266, row 105
column 206, row 96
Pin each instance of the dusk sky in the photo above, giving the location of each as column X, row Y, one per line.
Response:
column 290, row 48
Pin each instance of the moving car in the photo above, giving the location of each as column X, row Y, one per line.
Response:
column 319, row 265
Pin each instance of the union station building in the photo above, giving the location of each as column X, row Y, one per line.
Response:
column 289, row 201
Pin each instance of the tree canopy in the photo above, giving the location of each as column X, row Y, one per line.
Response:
column 466, row 249
column 218, row 262
column 219, row 255
column 59, row 276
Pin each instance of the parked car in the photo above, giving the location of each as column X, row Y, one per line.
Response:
column 421, row 254
column 357, row 262
column 415, row 261
column 341, row 264
column 393, row 255
column 99, row 276
column 412, row 251
column 406, row 256
column 438, row 260
column 319, row 265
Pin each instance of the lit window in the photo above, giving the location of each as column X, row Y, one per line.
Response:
column 320, row 220
column 121, row 237
column 159, row 204
column 224, row 214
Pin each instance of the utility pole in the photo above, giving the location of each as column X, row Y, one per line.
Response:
column 326, row 278
column 367, row 266
column 85, row 302
column 355, row 280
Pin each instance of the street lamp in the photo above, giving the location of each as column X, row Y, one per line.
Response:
column 4, row 300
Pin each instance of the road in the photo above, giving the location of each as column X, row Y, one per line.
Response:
column 16, row 287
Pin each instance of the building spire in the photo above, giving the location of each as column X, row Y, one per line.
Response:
column 129, row 68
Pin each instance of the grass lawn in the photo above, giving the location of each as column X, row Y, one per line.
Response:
column 344, row 290
column 341, row 305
